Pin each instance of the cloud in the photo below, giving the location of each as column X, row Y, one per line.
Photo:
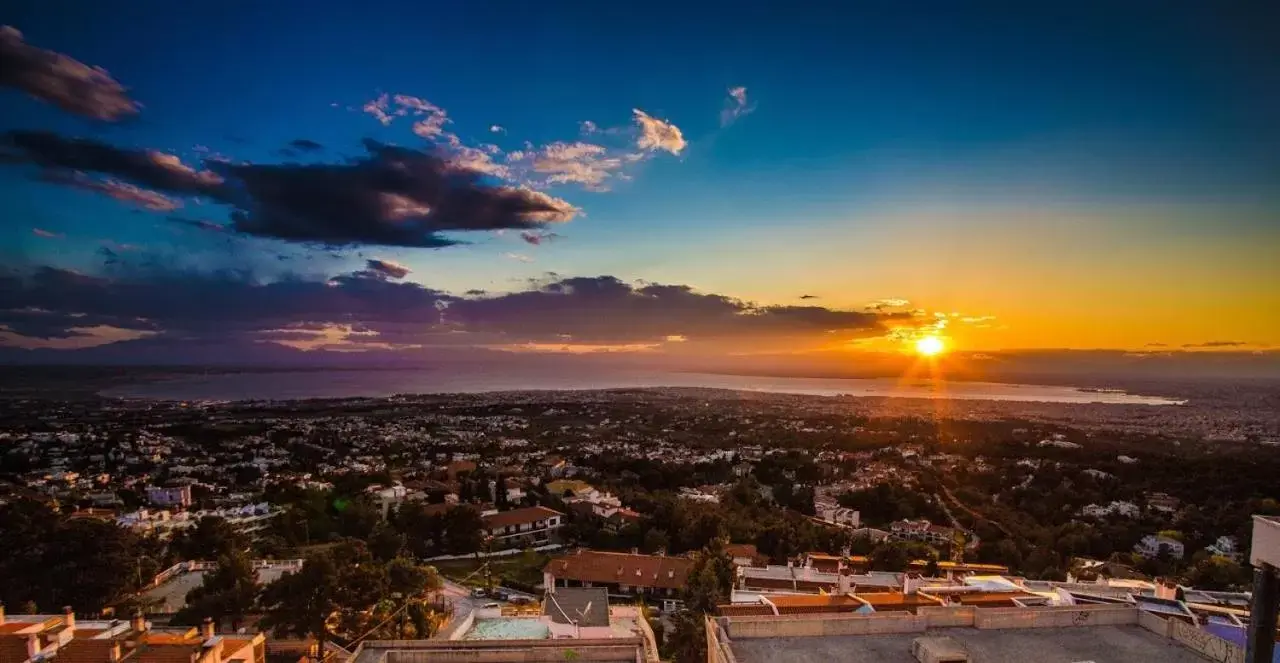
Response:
column 1215, row 344
column 394, row 197
column 735, row 106
column 305, row 145
column 497, row 129
column 537, row 238
column 200, row 224
column 578, row 163
column 808, row 296
column 518, row 257
column 147, row 168
column 61, row 80
column 122, row 191
column 177, row 305
column 47, row 234
column 656, row 134
column 588, row 127
column 387, row 268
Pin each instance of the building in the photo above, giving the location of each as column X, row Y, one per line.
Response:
column 838, row 515
column 1126, row 509
column 249, row 519
column 1153, row 545
column 1163, row 502
column 928, row 632
column 623, row 575
column 923, row 531
column 1226, row 546
column 166, row 594
column 571, row 625
column 530, row 526
column 176, row 496
column 66, row 639
column 1264, row 556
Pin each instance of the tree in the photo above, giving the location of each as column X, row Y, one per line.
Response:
column 386, row 543
column 462, row 530
column 710, row 580
column 211, row 538
column 228, row 593
column 1215, row 572
column 331, row 596
column 687, row 641
column 655, row 540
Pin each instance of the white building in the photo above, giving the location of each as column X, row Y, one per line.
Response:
column 1126, row 509
column 528, row 526
column 1227, row 546
column 1152, row 545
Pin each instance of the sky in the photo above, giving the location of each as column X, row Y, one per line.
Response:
column 818, row 181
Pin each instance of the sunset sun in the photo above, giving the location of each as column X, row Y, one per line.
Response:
column 930, row 346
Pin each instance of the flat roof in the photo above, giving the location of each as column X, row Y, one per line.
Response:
column 1129, row 643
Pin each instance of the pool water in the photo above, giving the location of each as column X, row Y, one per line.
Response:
column 508, row 629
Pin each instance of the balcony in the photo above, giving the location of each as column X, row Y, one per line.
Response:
column 1266, row 541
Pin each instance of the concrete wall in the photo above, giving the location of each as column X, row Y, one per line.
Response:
column 1054, row 616
column 509, row 651
column 1265, row 548
column 1155, row 624
column 791, row 626
column 1204, row 643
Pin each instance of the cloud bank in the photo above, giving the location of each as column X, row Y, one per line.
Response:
column 61, row 80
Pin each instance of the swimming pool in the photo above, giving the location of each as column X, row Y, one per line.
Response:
column 508, row 629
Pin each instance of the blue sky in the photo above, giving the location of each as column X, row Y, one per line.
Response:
column 931, row 153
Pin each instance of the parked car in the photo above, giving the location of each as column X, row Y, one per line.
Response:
column 478, row 592
column 491, row 604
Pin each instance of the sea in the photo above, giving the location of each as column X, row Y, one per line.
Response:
column 297, row 385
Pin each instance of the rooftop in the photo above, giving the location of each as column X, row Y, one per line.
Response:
column 1129, row 643
column 525, row 516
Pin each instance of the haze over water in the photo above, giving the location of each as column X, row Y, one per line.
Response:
column 367, row 383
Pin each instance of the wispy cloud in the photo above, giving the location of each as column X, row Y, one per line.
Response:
column 497, row 129
column 735, row 106
column 657, row 134
column 61, row 80
column 518, row 257
column 538, row 238
column 1215, row 344
column 41, row 232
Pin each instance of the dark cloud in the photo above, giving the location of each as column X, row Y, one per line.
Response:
column 808, row 296
column 305, row 145
column 61, row 80
column 64, row 157
column 377, row 307
column 537, row 238
column 1215, row 344
column 395, row 197
column 200, row 224
column 387, row 268
column 606, row 309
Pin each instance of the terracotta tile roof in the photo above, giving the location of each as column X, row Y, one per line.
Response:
column 742, row 550
column 831, row 602
column 622, row 569
column 167, row 653
column 85, row 651
column 743, row 609
column 525, row 516
column 13, row 648
column 897, row 600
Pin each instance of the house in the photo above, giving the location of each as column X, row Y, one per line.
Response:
column 1226, row 546
column 744, row 554
column 179, row 496
column 838, row 515
column 922, row 530
column 1152, row 545
column 622, row 574
column 532, row 525
column 1163, row 502
column 65, row 639
column 1126, row 509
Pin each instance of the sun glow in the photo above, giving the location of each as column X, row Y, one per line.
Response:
column 930, row 346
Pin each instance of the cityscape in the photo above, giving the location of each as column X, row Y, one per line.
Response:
column 685, row 333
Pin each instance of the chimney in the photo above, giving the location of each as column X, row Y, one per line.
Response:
column 69, row 618
column 139, row 622
column 207, row 628
column 910, row 583
column 113, row 654
column 846, row 583
column 33, row 645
